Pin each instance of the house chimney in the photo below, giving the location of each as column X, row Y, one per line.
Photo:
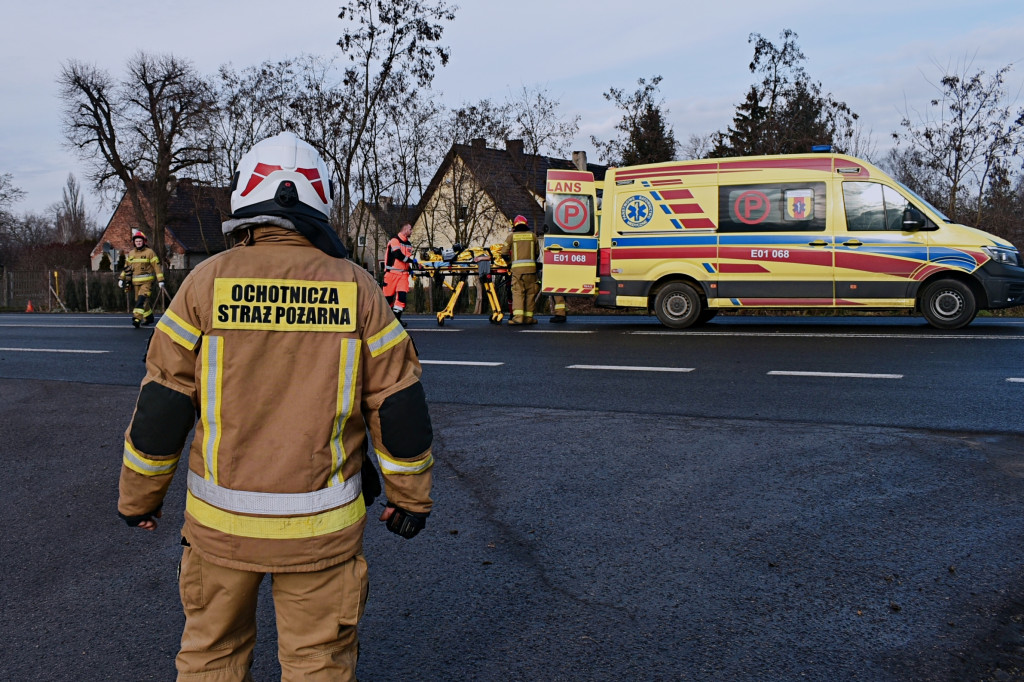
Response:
column 514, row 147
column 384, row 202
column 579, row 159
column 478, row 143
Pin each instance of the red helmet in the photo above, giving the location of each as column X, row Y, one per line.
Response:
column 520, row 220
column 137, row 234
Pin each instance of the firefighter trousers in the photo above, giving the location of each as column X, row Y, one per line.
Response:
column 317, row 616
column 143, row 295
column 524, row 297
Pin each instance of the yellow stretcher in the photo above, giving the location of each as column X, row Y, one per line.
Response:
column 458, row 264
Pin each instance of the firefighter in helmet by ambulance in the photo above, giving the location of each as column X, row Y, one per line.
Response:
column 141, row 269
column 520, row 250
column 295, row 366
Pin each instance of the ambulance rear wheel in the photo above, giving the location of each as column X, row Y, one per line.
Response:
column 677, row 305
column 948, row 304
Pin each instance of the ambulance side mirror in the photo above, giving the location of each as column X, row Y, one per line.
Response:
column 914, row 220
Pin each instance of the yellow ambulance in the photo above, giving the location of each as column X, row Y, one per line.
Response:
column 689, row 238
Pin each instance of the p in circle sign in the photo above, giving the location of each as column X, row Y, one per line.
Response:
column 571, row 216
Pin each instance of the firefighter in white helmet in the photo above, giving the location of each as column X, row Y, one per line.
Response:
column 289, row 354
column 141, row 269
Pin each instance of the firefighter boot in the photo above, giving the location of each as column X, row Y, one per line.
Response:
column 557, row 319
column 136, row 322
column 398, row 316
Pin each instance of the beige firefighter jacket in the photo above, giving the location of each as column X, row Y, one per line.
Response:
column 520, row 249
column 289, row 356
column 143, row 265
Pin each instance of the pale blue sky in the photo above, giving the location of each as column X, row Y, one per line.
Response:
column 875, row 55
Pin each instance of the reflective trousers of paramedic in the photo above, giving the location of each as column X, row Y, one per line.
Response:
column 524, row 296
column 143, row 296
column 558, row 306
column 396, row 288
column 317, row 613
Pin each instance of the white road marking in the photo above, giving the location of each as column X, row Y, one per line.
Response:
column 1015, row 380
column 430, row 329
column 930, row 337
column 50, row 350
column 625, row 368
column 467, row 363
column 557, row 331
column 845, row 375
column 71, row 326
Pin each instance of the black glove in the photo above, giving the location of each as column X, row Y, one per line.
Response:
column 134, row 521
column 406, row 523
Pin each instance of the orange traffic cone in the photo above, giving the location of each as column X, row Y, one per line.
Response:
column 29, row 308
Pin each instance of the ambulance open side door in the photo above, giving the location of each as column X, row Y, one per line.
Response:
column 570, row 251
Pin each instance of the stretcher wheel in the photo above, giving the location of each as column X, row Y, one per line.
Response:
column 440, row 321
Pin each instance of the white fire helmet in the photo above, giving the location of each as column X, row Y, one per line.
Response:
column 281, row 174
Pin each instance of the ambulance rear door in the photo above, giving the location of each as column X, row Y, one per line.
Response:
column 570, row 234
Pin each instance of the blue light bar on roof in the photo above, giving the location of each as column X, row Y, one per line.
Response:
column 821, row 148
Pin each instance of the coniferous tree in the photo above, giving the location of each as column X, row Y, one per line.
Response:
column 645, row 136
column 787, row 112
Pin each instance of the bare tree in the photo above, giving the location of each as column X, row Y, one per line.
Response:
column 72, row 221
column 139, row 133
column 9, row 195
column 254, row 104
column 967, row 131
column 537, row 122
column 383, row 39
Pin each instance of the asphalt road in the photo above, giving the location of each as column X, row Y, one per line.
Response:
column 591, row 523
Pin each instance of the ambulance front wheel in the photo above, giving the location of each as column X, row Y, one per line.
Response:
column 948, row 304
column 677, row 305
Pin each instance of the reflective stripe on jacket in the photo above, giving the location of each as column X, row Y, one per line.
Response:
column 520, row 249
column 287, row 356
column 143, row 264
column 399, row 255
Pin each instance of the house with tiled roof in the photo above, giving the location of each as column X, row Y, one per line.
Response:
column 192, row 231
column 370, row 227
column 477, row 191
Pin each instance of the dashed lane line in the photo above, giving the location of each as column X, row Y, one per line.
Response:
column 467, row 363
column 50, row 350
column 1016, row 380
column 72, row 326
column 814, row 335
column 557, row 331
column 630, row 368
column 842, row 375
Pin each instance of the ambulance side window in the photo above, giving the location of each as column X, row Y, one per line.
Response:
column 895, row 206
column 865, row 206
column 872, row 206
column 777, row 207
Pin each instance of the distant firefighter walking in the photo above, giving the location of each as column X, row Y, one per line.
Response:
column 142, row 268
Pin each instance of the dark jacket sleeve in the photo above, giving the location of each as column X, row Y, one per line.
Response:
column 165, row 410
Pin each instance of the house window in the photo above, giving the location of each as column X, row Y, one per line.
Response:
column 462, row 215
column 361, row 241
